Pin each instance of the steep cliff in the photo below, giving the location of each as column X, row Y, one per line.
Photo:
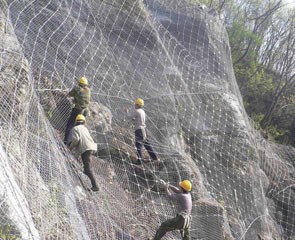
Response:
column 176, row 56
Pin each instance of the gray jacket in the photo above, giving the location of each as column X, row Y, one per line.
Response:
column 183, row 200
column 81, row 140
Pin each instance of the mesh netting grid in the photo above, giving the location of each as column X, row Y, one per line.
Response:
column 174, row 55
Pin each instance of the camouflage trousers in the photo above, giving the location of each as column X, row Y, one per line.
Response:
column 176, row 223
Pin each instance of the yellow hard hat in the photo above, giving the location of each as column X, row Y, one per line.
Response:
column 83, row 80
column 186, row 184
column 80, row 118
column 139, row 102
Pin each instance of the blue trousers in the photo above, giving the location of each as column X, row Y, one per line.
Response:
column 139, row 142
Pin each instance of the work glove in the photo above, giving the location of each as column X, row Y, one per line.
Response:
column 162, row 182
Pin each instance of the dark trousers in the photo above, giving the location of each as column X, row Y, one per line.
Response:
column 139, row 141
column 86, row 158
column 71, row 123
column 173, row 224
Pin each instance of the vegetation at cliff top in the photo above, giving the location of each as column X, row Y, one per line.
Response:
column 262, row 39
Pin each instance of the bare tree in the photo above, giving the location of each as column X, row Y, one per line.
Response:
column 283, row 62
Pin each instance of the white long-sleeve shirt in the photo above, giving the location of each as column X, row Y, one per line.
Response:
column 139, row 118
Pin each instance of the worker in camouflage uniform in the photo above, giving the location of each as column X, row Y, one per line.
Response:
column 182, row 221
column 81, row 140
column 138, row 115
column 81, row 95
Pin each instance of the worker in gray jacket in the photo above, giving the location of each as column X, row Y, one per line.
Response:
column 138, row 115
column 81, row 140
column 182, row 221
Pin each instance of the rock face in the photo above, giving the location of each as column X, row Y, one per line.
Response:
column 176, row 56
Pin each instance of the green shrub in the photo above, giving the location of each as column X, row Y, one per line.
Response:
column 6, row 233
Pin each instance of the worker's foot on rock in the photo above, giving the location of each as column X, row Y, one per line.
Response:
column 137, row 162
column 159, row 163
column 95, row 189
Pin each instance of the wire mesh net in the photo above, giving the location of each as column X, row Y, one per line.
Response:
column 173, row 54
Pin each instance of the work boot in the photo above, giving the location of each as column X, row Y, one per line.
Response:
column 159, row 163
column 137, row 162
column 95, row 189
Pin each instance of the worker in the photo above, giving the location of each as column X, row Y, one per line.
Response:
column 82, row 142
column 138, row 115
column 81, row 95
column 183, row 217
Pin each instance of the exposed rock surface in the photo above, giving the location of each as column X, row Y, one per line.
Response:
column 174, row 55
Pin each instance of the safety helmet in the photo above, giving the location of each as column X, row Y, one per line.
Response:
column 139, row 102
column 83, row 80
column 186, row 185
column 80, row 118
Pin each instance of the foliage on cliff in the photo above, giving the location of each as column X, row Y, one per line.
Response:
column 261, row 35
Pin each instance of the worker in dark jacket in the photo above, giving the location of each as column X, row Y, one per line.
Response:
column 182, row 220
column 138, row 115
column 81, row 95
column 82, row 142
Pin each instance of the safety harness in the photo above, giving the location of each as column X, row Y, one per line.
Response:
column 143, row 133
column 186, row 223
